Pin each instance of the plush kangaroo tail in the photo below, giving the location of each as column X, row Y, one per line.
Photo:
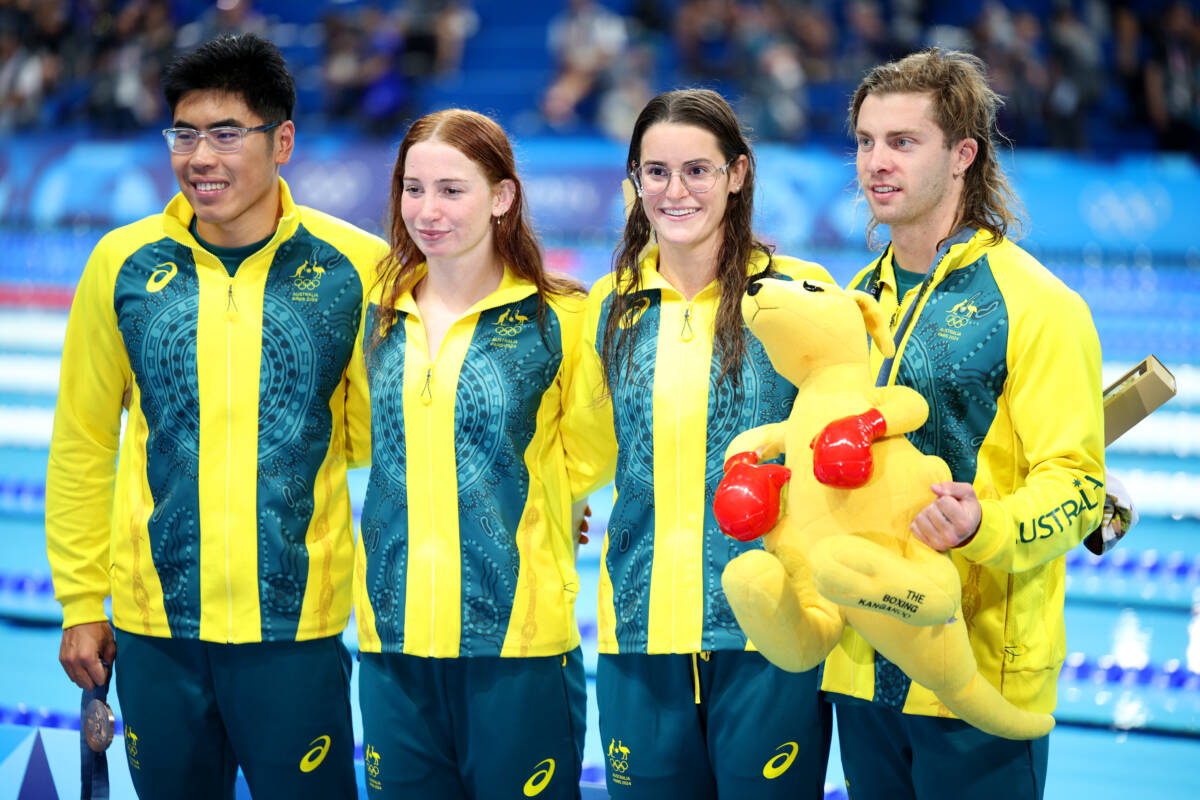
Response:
column 972, row 698
column 980, row 705
column 939, row 657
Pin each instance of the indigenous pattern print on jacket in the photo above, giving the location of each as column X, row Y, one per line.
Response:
column 1009, row 361
column 230, row 507
column 669, row 422
column 467, row 547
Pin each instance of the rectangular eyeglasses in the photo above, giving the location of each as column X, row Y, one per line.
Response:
column 222, row 139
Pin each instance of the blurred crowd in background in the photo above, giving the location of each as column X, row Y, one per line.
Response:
column 1080, row 75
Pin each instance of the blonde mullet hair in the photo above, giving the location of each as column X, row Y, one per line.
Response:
column 964, row 107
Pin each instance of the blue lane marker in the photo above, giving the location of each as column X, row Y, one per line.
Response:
column 1078, row 668
column 1172, row 675
column 19, row 496
column 1177, row 565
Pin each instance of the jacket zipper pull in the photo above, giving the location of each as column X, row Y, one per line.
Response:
column 686, row 333
column 427, row 390
column 231, row 309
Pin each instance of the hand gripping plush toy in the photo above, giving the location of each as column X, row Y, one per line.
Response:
column 842, row 553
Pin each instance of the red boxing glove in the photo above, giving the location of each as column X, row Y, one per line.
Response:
column 842, row 450
column 746, row 503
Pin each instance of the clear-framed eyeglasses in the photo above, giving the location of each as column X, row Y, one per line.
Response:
column 223, row 139
column 697, row 176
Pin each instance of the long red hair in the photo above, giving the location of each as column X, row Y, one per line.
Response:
column 484, row 142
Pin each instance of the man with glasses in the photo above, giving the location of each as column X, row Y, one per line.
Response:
column 225, row 326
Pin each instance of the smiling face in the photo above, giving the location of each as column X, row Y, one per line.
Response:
column 235, row 195
column 686, row 221
column 448, row 205
column 908, row 174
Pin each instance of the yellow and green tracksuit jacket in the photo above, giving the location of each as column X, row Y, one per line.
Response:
column 1009, row 361
column 669, row 424
column 226, row 516
column 466, row 544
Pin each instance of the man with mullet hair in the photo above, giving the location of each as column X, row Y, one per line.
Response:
column 1009, row 361
column 225, row 325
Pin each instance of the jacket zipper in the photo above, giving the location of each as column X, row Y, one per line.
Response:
column 231, row 318
column 427, row 399
column 685, row 335
column 427, row 390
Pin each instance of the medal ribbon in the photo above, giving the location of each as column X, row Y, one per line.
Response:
column 875, row 289
column 93, row 766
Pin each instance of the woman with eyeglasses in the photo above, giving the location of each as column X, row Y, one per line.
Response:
column 686, row 708
column 471, row 680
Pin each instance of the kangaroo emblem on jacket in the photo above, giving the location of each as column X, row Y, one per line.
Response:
column 305, row 282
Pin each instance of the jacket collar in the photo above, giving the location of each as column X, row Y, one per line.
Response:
column 512, row 288
column 651, row 278
column 177, row 218
column 961, row 249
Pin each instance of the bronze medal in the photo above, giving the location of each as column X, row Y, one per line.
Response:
column 98, row 725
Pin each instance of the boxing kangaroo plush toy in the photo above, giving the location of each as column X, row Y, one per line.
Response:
column 842, row 552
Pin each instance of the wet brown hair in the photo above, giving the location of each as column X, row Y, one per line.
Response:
column 707, row 110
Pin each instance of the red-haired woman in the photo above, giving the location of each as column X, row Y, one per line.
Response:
column 471, row 680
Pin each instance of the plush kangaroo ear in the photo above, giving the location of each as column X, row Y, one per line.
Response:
column 876, row 321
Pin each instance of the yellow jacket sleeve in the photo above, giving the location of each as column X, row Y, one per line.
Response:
column 1056, row 438
column 81, row 471
column 358, row 402
column 589, row 441
column 358, row 399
